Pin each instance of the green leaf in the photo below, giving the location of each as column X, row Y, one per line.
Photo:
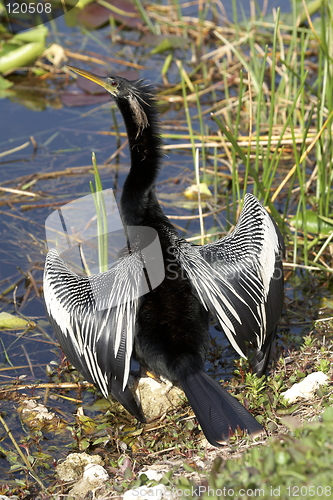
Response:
column 5, row 84
column 183, row 481
column 170, row 43
column 292, row 423
column 327, row 416
column 188, row 468
column 128, row 473
column 80, row 4
column 101, row 440
column 21, row 56
column 33, row 35
column 84, row 444
column 191, row 192
column 16, row 467
column 9, row 321
column 21, row 483
column 314, row 223
column 312, row 8
column 297, row 475
column 282, row 458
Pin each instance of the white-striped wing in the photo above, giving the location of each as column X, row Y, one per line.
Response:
column 94, row 317
column 239, row 278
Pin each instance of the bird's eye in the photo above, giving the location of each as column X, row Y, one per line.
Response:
column 114, row 84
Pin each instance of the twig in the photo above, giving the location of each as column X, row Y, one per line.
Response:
column 102, row 62
column 18, row 148
column 28, row 359
column 64, row 385
column 202, row 229
column 116, row 153
column 21, row 367
column 33, row 282
column 18, row 191
column 301, row 266
column 191, row 217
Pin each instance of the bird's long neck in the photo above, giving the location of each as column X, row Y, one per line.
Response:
column 138, row 198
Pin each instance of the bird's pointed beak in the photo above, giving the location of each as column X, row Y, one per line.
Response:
column 94, row 78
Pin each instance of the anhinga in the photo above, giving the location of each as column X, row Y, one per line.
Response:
column 238, row 279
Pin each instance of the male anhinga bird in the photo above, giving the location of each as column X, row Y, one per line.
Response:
column 238, row 279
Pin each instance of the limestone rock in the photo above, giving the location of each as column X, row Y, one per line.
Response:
column 73, row 468
column 34, row 413
column 94, row 477
column 306, row 388
column 157, row 397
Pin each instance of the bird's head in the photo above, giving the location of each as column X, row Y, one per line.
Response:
column 138, row 95
column 118, row 87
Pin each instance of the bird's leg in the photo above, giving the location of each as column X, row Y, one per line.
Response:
column 145, row 372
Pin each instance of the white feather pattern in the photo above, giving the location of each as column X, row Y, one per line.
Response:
column 237, row 269
column 89, row 310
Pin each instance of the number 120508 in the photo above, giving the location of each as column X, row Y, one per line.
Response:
column 311, row 491
column 28, row 8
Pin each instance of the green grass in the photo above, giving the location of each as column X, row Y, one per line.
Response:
column 102, row 228
column 284, row 110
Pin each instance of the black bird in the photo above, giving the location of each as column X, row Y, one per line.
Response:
column 238, row 279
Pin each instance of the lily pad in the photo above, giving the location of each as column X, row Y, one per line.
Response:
column 97, row 14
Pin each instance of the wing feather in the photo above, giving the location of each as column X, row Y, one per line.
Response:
column 234, row 276
column 94, row 317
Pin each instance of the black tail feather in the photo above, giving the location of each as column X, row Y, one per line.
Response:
column 260, row 359
column 216, row 410
column 126, row 399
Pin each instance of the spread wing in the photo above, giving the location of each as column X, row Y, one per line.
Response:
column 94, row 320
column 239, row 278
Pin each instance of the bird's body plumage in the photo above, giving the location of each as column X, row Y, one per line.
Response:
column 238, row 279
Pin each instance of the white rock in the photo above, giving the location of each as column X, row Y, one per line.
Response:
column 156, row 397
column 75, row 465
column 94, row 477
column 158, row 492
column 152, row 474
column 39, row 412
column 94, row 472
column 306, row 388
